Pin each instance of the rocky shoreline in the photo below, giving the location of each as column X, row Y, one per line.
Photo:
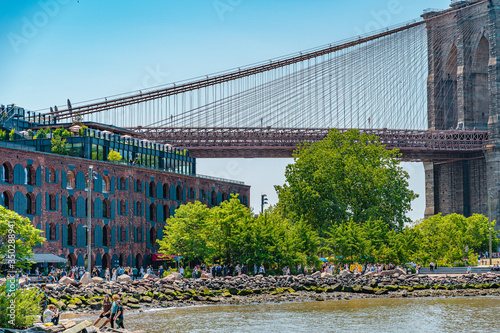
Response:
column 85, row 297
column 175, row 291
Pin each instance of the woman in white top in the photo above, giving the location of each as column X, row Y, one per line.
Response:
column 106, row 274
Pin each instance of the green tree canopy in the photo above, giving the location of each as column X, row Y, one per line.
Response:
column 346, row 176
column 230, row 234
column 18, row 231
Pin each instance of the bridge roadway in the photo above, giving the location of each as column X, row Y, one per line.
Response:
column 415, row 145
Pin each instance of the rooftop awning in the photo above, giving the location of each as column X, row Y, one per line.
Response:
column 47, row 257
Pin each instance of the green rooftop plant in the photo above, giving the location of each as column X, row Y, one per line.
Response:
column 114, row 156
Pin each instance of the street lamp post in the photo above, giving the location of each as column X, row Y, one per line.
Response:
column 89, row 221
column 489, row 221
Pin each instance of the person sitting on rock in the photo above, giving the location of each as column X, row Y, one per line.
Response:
column 106, row 307
column 51, row 315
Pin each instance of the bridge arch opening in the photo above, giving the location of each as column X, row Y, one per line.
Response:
column 480, row 90
column 450, row 110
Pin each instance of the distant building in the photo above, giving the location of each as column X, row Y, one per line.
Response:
column 130, row 199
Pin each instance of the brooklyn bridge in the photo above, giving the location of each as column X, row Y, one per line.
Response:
column 428, row 87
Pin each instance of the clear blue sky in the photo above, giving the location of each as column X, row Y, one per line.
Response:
column 52, row 50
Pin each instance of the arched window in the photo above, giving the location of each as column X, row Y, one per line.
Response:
column 122, row 183
column 7, row 173
column 30, row 175
column 30, row 204
column 106, row 209
column 178, row 193
column 105, row 236
column 71, row 180
column 214, row 198
column 203, row 195
column 166, row 212
column 52, row 202
column 122, row 235
column 152, row 190
column 69, row 235
column 7, row 200
column 52, row 175
column 138, row 186
column 71, row 206
column 224, row 197
column 138, row 208
column 52, row 231
column 106, row 184
column 123, row 205
column 139, row 234
column 165, row 191
column 152, row 212
column 152, row 237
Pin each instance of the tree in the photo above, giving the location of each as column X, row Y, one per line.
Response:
column 59, row 145
column 228, row 225
column 346, row 176
column 186, row 233
column 17, row 238
column 114, row 156
column 453, row 237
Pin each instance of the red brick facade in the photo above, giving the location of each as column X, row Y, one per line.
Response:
column 53, row 191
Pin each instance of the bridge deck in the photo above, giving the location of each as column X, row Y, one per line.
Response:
column 415, row 145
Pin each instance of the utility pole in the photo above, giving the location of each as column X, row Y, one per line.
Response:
column 263, row 201
column 489, row 221
column 89, row 222
column 89, row 219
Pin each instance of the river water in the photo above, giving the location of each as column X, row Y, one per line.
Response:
column 467, row 314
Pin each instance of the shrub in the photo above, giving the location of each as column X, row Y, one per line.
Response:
column 114, row 156
column 26, row 305
column 3, row 135
column 59, row 145
column 12, row 134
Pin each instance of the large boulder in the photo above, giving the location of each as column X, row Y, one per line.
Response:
column 124, row 278
column 174, row 276
column 67, row 280
column 388, row 272
column 97, row 280
column 400, row 271
column 151, row 276
column 370, row 273
column 86, row 279
column 316, row 274
column 205, row 276
column 345, row 273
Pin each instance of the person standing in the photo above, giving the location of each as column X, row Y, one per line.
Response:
column 107, row 275
column 43, row 300
column 113, row 277
column 114, row 309
column 135, row 273
column 106, row 307
column 262, row 270
column 119, row 314
column 161, row 271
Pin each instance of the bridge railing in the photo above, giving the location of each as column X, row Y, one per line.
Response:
column 447, row 140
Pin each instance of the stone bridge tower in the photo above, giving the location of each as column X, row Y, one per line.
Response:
column 463, row 90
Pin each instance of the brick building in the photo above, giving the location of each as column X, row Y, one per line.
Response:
column 130, row 200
